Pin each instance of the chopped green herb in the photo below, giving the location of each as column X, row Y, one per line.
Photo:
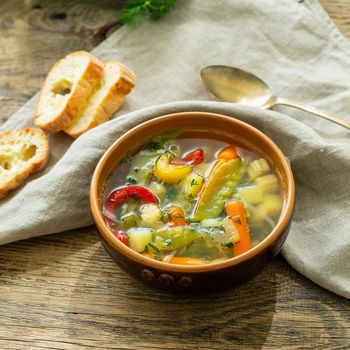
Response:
column 228, row 245
column 136, row 10
column 194, row 183
column 155, row 179
column 168, row 242
column 156, row 249
column 173, row 150
column 153, row 146
column 131, row 181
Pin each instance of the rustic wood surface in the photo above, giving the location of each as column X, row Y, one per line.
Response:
column 64, row 292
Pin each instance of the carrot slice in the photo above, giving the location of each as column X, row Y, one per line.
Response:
column 235, row 210
column 183, row 260
column 228, row 153
column 176, row 216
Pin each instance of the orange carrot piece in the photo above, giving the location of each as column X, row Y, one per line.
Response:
column 228, row 153
column 235, row 210
column 176, row 216
column 183, row 260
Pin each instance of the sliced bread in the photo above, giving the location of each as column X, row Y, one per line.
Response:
column 22, row 152
column 118, row 81
column 66, row 89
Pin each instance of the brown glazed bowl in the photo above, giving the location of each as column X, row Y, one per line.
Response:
column 180, row 278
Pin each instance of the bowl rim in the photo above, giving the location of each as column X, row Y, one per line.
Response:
column 164, row 266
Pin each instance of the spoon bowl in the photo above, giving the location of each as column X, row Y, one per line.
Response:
column 232, row 84
column 235, row 85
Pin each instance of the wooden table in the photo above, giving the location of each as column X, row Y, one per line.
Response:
column 64, row 292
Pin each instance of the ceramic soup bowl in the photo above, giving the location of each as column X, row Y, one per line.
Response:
column 213, row 276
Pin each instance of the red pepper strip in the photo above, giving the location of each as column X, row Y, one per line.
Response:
column 120, row 195
column 121, row 235
column 193, row 158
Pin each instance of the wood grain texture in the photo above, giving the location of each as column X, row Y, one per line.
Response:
column 34, row 34
column 64, row 292
column 339, row 11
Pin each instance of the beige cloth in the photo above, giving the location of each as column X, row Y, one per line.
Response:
column 291, row 44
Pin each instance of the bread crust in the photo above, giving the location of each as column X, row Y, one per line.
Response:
column 112, row 100
column 87, row 83
column 32, row 166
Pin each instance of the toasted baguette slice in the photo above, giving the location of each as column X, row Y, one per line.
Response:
column 66, row 89
column 117, row 83
column 22, row 152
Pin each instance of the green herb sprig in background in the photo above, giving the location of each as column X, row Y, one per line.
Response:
column 137, row 10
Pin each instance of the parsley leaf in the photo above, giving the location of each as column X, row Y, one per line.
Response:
column 156, row 250
column 136, row 10
column 194, row 183
column 130, row 181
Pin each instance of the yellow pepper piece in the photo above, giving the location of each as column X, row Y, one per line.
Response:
column 170, row 173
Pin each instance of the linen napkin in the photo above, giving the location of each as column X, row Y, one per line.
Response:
column 291, row 44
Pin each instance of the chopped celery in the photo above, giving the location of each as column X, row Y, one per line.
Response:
column 201, row 249
column 258, row 168
column 267, row 183
column 212, row 222
column 215, row 237
column 218, row 189
column 130, row 220
column 170, row 238
column 231, row 233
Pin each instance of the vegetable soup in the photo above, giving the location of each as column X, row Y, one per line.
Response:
column 186, row 199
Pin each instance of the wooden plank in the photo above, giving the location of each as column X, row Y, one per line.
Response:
column 64, row 292
column 34, row 34
column 71, row 295
column 339, row 11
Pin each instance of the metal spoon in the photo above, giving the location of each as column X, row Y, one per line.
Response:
column 235, row 85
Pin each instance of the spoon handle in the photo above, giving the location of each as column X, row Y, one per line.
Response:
column 313, row 110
